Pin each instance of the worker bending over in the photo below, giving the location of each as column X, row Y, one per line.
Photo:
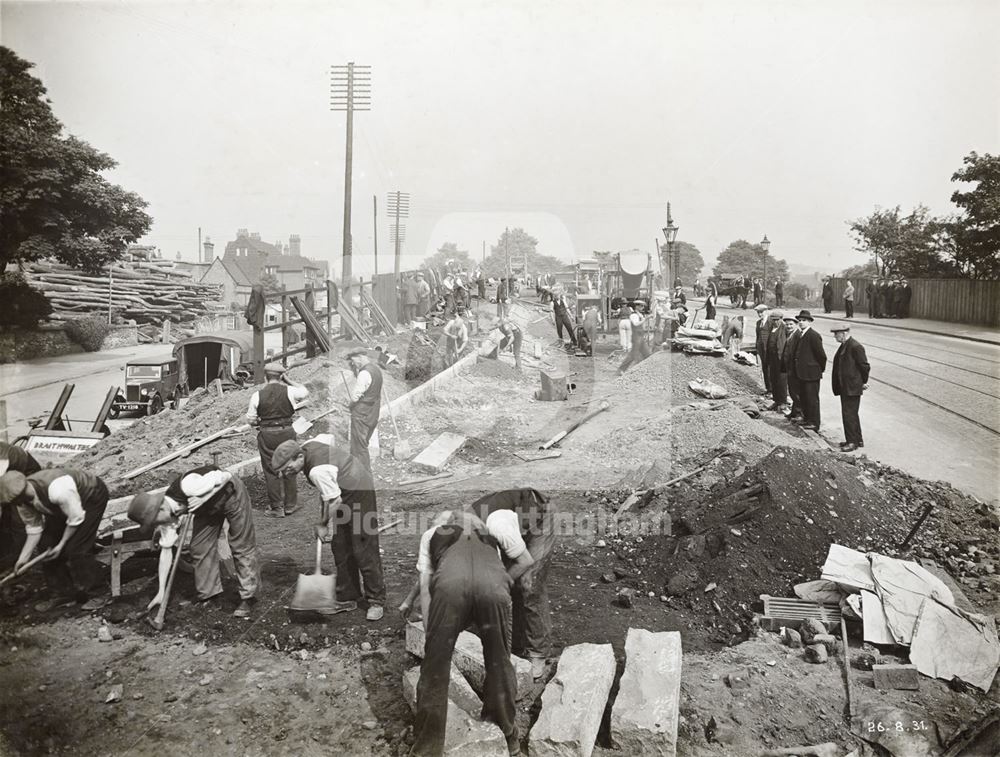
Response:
column 365, row 404
column 522, row 516
column 210, row 496
column 511, row 337
column 271, row 409
column 13, row 458
column 463, row 584
column 348, row 517
column 61, row 509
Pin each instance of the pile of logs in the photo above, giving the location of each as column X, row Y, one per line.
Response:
column 143, row 293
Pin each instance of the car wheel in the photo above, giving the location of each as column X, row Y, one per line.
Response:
column 114, row 412
column 155, row 405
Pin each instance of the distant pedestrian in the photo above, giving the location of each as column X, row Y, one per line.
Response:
column 849, row 300
column 897, row 299
column 760, row 341
column 850, row 380
column 423, row 296
column 709, row 309
column 779, row 294
column 810, row 362
column 591, row 322
column 560, row 312
column 827, row 296
column 871, row 294
column 906, row 296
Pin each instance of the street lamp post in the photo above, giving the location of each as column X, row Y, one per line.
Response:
column 673, row 265
column 765, row 245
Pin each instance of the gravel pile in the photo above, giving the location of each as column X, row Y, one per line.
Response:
column 669, row 373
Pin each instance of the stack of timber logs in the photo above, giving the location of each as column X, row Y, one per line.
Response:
column 143, row 292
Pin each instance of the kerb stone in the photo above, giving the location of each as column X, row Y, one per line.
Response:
column 573, row 702
column 468, row 658
column 896, row 677
column 459, row 691
column 645, row 713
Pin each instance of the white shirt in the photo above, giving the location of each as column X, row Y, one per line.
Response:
column 64, row 495
column 296, row 395
column 364, row 380
column 324, row 477
column 505, row 527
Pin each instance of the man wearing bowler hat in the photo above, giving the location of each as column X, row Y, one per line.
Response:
column 850, row 379
column 809, row 364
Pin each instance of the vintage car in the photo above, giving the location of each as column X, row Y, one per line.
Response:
column 150, row 384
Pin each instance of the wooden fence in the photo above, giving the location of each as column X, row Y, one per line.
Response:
column 954, row 300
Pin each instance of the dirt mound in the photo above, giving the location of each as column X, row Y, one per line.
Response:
column 762, row 532
column 205, row 414
column 669, row 373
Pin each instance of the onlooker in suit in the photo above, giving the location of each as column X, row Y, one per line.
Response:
column 775, row 345
column 411, row 297
column 849, row 300
column 787, row 354
column 850, row 379
column 907, row 295
column 827, row 295
column 871, row 294
column 897, row 299
column 810, row 362
column 761, row 343
column 779, row 294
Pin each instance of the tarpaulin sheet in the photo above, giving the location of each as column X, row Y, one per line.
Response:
column 848, row 567
column 950, row 643
column 902, row 587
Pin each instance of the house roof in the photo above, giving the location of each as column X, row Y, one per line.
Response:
column 236, row 273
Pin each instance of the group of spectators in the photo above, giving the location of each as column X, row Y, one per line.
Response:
column 449, row 290
column 887, row 297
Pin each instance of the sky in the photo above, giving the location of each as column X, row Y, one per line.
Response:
column 577, row 121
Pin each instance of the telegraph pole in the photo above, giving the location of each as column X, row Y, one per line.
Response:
column 350, row 90
column 375, row 225
column 399, row 207
column 506, row 252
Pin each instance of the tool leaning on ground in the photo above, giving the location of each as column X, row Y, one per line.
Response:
column 161, row 611
column 575, row 425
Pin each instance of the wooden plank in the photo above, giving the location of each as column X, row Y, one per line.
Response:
column 435, row 456
column 354, row 326
column 380, row 316
column 189, row 448
column 424, row 479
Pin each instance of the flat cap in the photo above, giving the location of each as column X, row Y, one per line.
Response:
column 143, row 508
column 760, row 308
column 284, row 452
column 840, row 327
column 274, row 368
column 12, row 485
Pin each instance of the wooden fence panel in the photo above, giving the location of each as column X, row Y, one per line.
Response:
column 385, row 294
column 955, row 300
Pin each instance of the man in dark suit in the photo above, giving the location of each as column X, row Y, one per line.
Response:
column 760, row 340
column 810, row 362
column 850, row 379
column 788, row 365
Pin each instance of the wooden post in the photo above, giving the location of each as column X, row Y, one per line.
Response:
column 329, row 308
column 284, row 333
column 258, row 355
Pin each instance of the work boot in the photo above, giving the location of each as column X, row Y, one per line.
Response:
column 292, row 508
column 375, row 612
column 343, row 607
column 537, row 667
column 274, row 512
column 245, row 608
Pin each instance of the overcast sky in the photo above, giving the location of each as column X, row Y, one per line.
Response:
column 576, row 120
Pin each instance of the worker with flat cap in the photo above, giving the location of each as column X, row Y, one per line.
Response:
column 13, row 458
column 211, row 496
column 463, row 584
column 850, row 380
column 365, row 402
column 348, row 517
column 61, row 509
column 272, row 408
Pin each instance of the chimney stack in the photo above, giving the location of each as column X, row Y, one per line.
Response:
column 294, row 245
column 209, row 250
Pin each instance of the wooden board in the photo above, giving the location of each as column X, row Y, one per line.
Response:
column 378, row 314
column 435, row 456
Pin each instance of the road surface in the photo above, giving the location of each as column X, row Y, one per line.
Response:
column 932, row 407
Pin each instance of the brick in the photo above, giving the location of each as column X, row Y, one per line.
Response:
column 465, row 735
column 459, row 691
column 645, row 713
column 573, row 702
column 468, row 657
column 896, row 677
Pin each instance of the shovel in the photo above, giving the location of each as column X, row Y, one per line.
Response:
column 314, row 592
column 402, row 449
column 161, row 612
column 14, row 574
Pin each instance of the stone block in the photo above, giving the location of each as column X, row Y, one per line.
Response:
column 896, row 677
column 435, row 456
column 816, row 653
column 645, row 713
column 573, row 702
column 468, row 658
column 465, row 735
column 459, row 691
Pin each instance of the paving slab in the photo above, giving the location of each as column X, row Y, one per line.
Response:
column 459, row 691
column 573, row 702
column 468, row 658
column 645, row 713
column 437, row 454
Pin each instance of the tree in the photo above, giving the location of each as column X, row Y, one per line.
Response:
column 270, row 283
column 910, row 245
column 864, row 271
column 54, row 202
column 522, row 248
column 448, row 251
column 973, row 239
column 748, row 259
column 691, row 261
column 23, row 305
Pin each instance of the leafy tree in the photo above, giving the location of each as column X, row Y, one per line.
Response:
column 54, row 202
column 522, row 247
column 23, row 305
column 448, row 251
column 271, row 283
column 910, row 245
column 748, row 259
column 864, row 271
column 691, row 261
column 973, row 240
